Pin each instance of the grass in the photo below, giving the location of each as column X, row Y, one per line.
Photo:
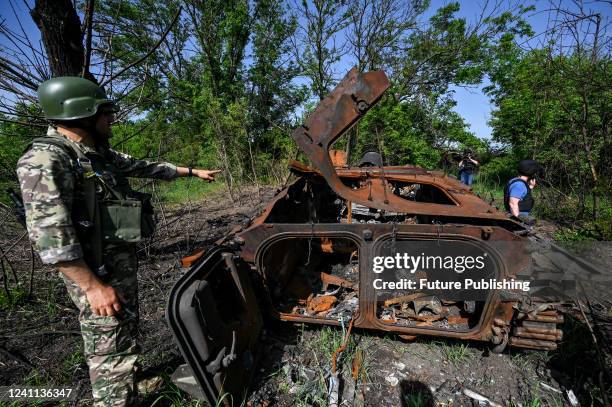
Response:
column 48, row 302
column 171, row 396
column 328, row 340
column 70, row 364
column 524, row 361
column 320, row 345
column 37, row 377
column 15, row 296
column 416, row 394
column 185, row 189
column 455, row 353
column 415, row 400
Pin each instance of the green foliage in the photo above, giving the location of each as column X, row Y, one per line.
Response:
column 554, row 108
column 70, row 364
column 272, row 94
column 455, row 353
column 498, row 171
column 450, row 51
column 222, row 31
column 415, row 400
column 413, row 134
column 186, row 189
column 13, row 140
column 231, row 78
column 322, row 20
column 13, row 297
column 37, row 377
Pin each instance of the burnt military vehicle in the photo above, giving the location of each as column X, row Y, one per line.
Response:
column 309, row 257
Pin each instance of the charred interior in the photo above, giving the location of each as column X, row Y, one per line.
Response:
column 313, row 277
column 318, row 277
column 311, row 200
column 411, row 191
column 422, row 310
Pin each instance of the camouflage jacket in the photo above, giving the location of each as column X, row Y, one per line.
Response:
column 47, row 179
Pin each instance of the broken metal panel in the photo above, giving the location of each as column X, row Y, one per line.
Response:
column 215, row 319
column 335, row 114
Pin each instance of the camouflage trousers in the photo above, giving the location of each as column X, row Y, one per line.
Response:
column 110, row 345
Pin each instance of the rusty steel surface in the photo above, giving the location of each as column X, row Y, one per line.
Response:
column 256, row 240
column 462, row 217
column 352, row 98
column 308, row 258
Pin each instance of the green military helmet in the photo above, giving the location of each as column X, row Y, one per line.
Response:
column 71, row 98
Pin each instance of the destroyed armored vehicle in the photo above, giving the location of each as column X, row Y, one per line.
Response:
column 310, row 257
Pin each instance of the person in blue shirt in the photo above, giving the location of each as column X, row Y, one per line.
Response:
column 518, row 200
column 467, row 167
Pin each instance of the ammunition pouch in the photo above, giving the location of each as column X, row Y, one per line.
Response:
column 121, row 221
column 127, row 221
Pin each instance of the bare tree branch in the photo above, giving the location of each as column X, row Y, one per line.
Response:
column 151, row 51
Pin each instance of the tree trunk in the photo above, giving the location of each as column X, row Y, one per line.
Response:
column 61, row 33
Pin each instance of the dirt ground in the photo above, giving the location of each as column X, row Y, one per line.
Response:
column 40, row 342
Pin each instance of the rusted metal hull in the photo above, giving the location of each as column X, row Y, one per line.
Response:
column 496, row 314
column 308, row 258
column 448, row 211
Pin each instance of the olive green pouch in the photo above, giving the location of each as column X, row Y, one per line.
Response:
column 121, row 221
column 147, row 224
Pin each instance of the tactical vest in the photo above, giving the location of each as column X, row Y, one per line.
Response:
column 525, row 204
column 106, row 211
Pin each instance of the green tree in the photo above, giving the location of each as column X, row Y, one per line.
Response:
column 222, row 30
column 272, row 93
column 555, row 108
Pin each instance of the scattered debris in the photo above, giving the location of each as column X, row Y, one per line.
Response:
column 479, row 397
column 571, row 397
column 334, row 387
column 392, row 380
column 547, row 387
column 320, row 304
column 334, row 380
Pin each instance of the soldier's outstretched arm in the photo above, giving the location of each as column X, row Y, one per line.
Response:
column 208, row 175
column 102, row 298
column 133, row 167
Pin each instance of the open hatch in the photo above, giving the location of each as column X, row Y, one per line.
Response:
column 216, row 321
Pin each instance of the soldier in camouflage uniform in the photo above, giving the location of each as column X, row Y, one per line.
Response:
column 91, row 236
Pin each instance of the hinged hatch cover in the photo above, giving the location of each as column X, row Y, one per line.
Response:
column 216, row 321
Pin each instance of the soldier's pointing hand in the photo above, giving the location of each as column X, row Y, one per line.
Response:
column 208, row 175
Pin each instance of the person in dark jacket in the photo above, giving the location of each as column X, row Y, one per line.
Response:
column 518, row 200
